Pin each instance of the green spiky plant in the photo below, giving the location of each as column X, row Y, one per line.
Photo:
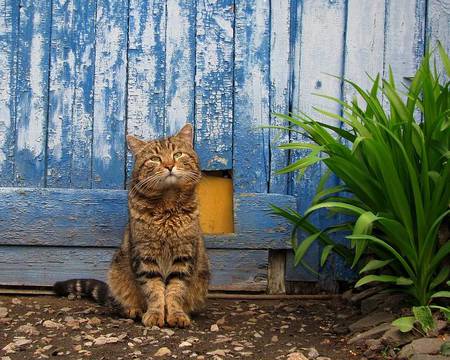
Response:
column 394, row 168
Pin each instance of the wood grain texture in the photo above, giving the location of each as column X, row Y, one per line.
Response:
column 78, row 217
column 318, row 52
column 364, row 44
column 32, row 92
column 280, row 72
column 9, row 16
column 214, row 84
column 180, row 64
column 42, row 266
column 438, row 26
column 404, row 42
column 108, row 163
column 69, row 217
column 251, row 96
column 71, row 94
column 146, row 71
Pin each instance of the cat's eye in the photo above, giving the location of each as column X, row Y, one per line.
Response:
column 177, row 155
column 155, row 158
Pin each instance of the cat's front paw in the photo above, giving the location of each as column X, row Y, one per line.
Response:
column 153, row 318
column 133, row 313
column 178, row 319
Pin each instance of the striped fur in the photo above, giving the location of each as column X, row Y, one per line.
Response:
column 160, row 273
column 90, row 288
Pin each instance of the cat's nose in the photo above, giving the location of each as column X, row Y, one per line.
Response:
column 169, row 166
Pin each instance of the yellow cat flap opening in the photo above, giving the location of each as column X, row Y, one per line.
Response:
column 215, row 194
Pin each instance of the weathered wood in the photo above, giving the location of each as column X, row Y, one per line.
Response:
column 32, row 92
column 110, row 94
column 9, row 16
column 404, row 43
column 276, row 272
column 438, row 27
column 214, row 84
column 251, row 96
column 42, row 266
column 364, row 44
column 146, row 71
column 75, row 217
column 71, row 94
column 318, row 52
column 280, row 68
column 180, row 64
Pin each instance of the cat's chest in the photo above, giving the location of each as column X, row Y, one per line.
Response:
column 165, row 227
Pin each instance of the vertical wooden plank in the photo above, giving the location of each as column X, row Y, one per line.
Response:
column 62, row 74
column 83, row 102
column 110, row 94
column 276, row 272
column 146, row 70
column 364, row 45
column 318, row 51
column 180, row 64
column 70, row 96
column 280, row 66
column 404, row 43
column 32, row 92
column 438, row 25
column 214, row 83
column 251, row 96
column 9, row 17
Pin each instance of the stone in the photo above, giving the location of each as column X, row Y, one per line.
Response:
column 214, row 328
column 102, row 340
column 163, row 352
column 296, row 356
column 428, row 357
column 395, row 338
column 371, row 320
column 323, row 358
column 3, row 312
column 52, row 324
column 376, row 333
column 381, row 301
column 421, row 346
column 185, row 344
column 21, row 342
column 28, row 329
column 274, row 339
column 364, row 294
column 219, row 352
column 312, row 353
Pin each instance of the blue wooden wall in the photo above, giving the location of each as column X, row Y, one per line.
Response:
column 76, row 76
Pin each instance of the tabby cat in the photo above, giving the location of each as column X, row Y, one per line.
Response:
column 160, row 273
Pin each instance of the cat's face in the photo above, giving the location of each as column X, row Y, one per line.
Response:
column 163, row 164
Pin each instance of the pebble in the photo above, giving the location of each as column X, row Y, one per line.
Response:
column 185, row 344
column 296, row 356
column 102, row 340
column 3, row 312
column 214, row 328
column 163, row 352
column 52, row 325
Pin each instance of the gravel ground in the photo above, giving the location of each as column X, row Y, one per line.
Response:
column 44, row 327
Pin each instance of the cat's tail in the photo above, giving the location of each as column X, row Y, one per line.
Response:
column 90, row 288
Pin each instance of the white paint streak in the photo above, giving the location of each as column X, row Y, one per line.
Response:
column 30, row 136
column 5, row 78
column 179, row 67
column 321, row 53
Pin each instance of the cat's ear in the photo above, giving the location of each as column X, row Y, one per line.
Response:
column 186, row 134
column 135, row 144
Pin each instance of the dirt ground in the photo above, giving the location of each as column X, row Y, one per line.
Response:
column 46, row 327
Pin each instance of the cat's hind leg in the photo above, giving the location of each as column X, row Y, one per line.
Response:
column 124, row 288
